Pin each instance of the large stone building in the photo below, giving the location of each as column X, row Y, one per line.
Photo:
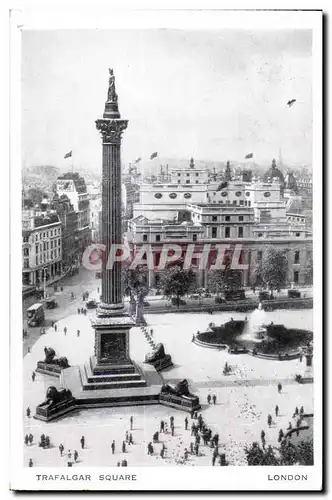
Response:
column 73, row 186
column 248, row 215
column 41, row 246
column 69, row 219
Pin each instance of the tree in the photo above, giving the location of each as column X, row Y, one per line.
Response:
column 297, row 454
column 136, row 286
column 176, row 282
column 274, row 269
column 309, row 272
column 256, row 455
column 35, row 195
column 216, row 281
column 225, row 279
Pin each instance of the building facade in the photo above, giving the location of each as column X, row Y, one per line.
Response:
column 41, row 246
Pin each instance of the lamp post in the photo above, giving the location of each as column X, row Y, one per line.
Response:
column 44, row 280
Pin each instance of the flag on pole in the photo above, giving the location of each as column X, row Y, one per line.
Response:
column 138, row 160
column 249, row 155
column 153, row 155
column 68, row 155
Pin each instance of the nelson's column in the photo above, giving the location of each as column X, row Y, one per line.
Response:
column 110, row 377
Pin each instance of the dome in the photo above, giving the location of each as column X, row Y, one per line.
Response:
column 273, row 172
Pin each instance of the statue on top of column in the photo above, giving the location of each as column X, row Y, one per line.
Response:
column 112, row 95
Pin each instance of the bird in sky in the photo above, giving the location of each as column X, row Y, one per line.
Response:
column 291, row 102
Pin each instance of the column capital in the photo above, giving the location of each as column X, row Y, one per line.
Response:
column 111, row 130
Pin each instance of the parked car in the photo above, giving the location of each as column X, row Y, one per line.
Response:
column 175, row 301
column 264, row 295
column 219, row 300
column 51, row 303
column 146, row 303
column 294, row 294
column 235, row 295
column 91, row 304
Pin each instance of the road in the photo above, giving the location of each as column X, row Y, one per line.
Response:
column 84, row 281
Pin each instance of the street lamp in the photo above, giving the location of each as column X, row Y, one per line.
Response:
column 44, row 279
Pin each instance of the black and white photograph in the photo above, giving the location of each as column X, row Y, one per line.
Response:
column 166, row 194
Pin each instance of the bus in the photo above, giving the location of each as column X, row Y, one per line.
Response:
column 36, row 315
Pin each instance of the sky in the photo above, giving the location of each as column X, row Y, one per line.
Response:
column 213, row 95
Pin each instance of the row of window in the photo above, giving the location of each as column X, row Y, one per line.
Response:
column 43, row 258
column 179, row 174
column 47, row 234
column 47, row 245
column 227, row 218
column 214, row 232
column 158, row 237
column 172, row 195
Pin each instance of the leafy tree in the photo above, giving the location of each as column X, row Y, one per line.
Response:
column 136, row 286
column 35, row 195
column 256, row 455
column 274, row 269
column 177, row 282
column 216, row 280
column 225, row 279
column 293, row 454
column 309, row 272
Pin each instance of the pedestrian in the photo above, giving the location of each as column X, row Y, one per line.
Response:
column 127, row 436
column 196, row 449
column 30, row 438
column 216, row 439
column 162, row 452
column 277, row 410
column 75, row 455
column 131, row 422
column 162, row 426
column 214, row 399
column 69, row 462
column 197, row 439
column 269, row 420
column 78, row 333
column 30, row 463
column 301, row 357
column 33, row 376
column 47, row 442
column 301, row 410
column 171, row 420
column 61, row 448
column 209, row 399
column 113, row 447
column 172, row 430
column 98, row 290
column 78, row 310
column 298, row 422
column 29, row 349
column 124, row 463
column 185, row 454
column 186, row 423
column 193, row 427
column 150, row 449
column 82, row 442
column 289, row 426
column 165, row 428
column 151, row 332
column 55, row 327
column 155, row 437
column 61, row 288
column 281, row 435
column 28, row 411
column 65, row 330
column 123, row 447
column 118, row 464
column 52, row 323
column 192, row 414
column 296, row 411
column 192, row 448
column 26, row 440
column 279, row 387
column 263, row 435
column 131, row 441
column 82, row 310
